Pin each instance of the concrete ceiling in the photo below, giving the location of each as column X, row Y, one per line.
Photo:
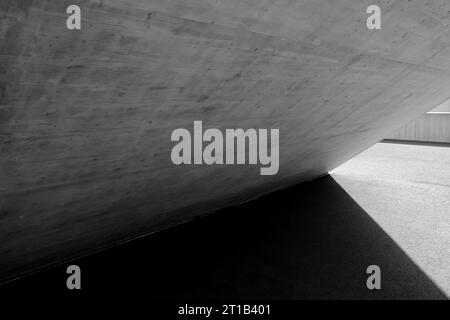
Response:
column 86, row 115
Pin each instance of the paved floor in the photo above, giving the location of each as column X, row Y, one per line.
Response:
column 389, row 206
column 405, row 189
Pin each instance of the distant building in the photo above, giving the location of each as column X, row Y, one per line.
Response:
column 433, row 126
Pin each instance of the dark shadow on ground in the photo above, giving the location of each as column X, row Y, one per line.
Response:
column 311, row 241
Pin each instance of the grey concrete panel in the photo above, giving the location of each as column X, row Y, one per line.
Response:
column 86, row 115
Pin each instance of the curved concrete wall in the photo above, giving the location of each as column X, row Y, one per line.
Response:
column 86, row 115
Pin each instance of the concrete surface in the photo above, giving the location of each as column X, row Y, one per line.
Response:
column 405, row 189
column 389, row 207
column 443, row 107
column 86, row 116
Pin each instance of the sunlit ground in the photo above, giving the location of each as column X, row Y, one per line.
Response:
column 405, row 188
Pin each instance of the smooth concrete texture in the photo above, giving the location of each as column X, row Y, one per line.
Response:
column 86, row 115
column 312, row 241
column 443, row 107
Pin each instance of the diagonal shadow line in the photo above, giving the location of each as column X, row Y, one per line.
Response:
column 311, row 241
column 417, row 143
